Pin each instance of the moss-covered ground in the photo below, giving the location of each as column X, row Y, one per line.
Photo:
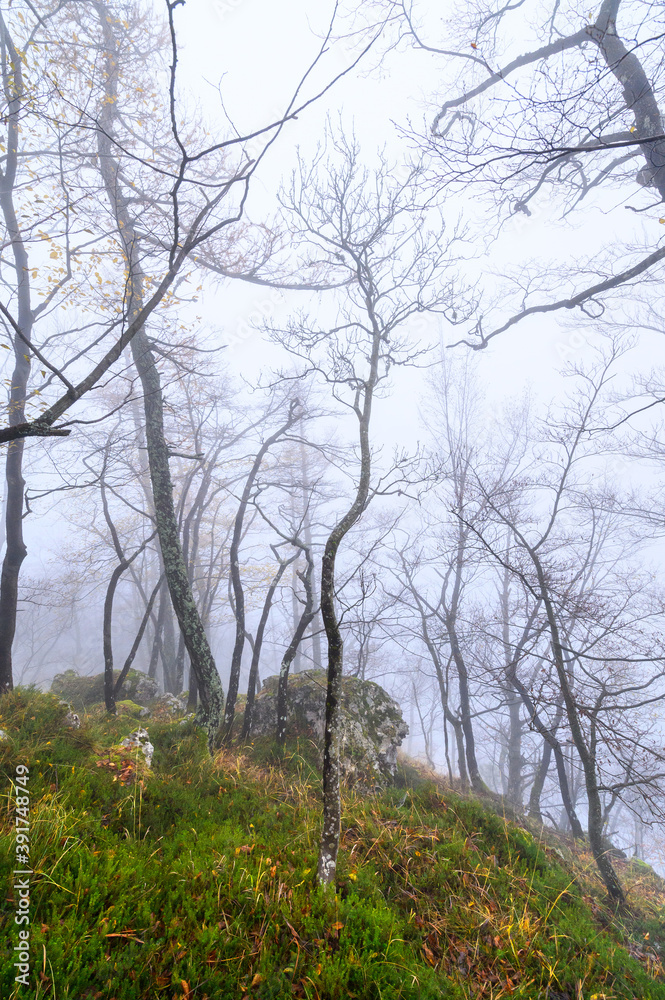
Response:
column 195, row 880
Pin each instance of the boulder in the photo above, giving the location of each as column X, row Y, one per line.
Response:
column 371, row 723
column 169, row 705
column 81, row 692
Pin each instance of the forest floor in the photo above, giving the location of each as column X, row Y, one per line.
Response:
column 195, row 879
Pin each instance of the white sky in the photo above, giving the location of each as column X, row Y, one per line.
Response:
column 258, row 50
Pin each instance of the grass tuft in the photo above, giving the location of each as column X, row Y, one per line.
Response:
column 196, row 879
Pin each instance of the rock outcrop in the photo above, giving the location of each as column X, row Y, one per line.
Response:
column 80, row 692
column 372, row 727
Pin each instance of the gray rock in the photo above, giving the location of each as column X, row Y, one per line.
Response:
column 4, row 737
column 141, row 688
column 170, row 704
column 371, row 730
column 71, row 720
column 144, row 713
column 81, row 692
column 139, row 740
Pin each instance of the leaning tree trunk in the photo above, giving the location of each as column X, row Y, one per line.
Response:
column 586, row 752
column 236, row 578
column 548, row 735
column 196, row 641
column 258, row 645
column 638, row 93
column 477, row 783
column 111, row 686
column 303, row 624
column 539, row 782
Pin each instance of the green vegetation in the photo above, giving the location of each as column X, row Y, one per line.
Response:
column 195, row 879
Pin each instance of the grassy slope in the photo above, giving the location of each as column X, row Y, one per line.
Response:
column 198, row 882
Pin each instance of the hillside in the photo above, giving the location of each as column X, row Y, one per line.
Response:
column 195, row 879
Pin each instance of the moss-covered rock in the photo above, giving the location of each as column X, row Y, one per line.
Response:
column 82, row 692
column 372, row 727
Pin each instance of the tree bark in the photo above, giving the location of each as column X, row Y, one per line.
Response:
column 306, row 618
column 236, row 577
column 332, row 811
column 638, row 93
column 16, row 550
column 586, row 752
column 548, row 735
column 258, row 644
column 539, row 782
column 112, row 686
column 196, row 642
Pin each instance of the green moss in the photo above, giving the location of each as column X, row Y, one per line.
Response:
column 203, row 874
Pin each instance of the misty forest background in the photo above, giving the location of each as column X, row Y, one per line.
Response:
column 375, row 359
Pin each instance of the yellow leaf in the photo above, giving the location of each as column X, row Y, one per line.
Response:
column 662, row 222
column 338, row 926
column 258, row 978
column 632, row 128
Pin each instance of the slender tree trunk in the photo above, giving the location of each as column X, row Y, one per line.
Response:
column 193, row 692
column 477, row 783
column 158, row 639
column 332, row 810
column 514, row 784
column 301, row 628
column 236, row 577
column 168, row 649
column 16, row 550
column 548, row 735
column 196, row 642
column 296, row 615
column 539, row 782
column 441, row 680
column 137, row 639
column 111, row 685
column 315, row 624
column 586, row 752
column 258, row 644
column 541, row 772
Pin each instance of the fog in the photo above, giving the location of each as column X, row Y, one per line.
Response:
column 500, row 570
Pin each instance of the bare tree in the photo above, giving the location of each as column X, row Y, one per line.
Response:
column 373, row 228
column 565, row 553
column 554, row 110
